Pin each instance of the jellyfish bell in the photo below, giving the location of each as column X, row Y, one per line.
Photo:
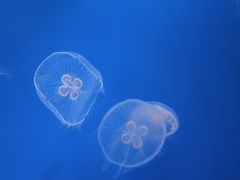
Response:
column 128, row 135
column 168, row 116
column 132, row 133
column 68, row 85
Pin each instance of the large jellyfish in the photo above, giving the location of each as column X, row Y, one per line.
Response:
column 68, row 85
column 133, row 132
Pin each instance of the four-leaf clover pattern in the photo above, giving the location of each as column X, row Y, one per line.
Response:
column 70, row 86
column 133, row 134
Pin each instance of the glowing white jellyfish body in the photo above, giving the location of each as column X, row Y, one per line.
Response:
column 68, row 85
column 133, row 132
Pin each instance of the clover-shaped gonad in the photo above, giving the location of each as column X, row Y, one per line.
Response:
column 70, row 86
column 133, row 134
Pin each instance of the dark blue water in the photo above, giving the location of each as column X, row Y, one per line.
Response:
column 183, row 53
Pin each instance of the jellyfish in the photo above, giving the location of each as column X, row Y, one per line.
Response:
column 133, row 132
column 5, row 72
column 68, row 85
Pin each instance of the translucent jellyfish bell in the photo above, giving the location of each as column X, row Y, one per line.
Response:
column 68, row 85
column 133, row 132
column 168, row 116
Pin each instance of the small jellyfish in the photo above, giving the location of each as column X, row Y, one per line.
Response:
column 68, row 85
column 133, row 132
column 5, row 72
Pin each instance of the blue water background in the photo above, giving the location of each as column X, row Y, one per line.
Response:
column 183, row 53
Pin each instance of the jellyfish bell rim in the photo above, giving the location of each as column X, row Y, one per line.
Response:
column 55, row 111
column 157, row 151
column 42, row 97
column 172, row 113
